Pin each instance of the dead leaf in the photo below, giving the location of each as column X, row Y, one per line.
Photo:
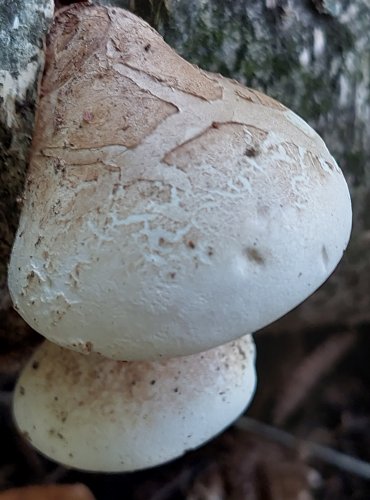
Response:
column 49, row 492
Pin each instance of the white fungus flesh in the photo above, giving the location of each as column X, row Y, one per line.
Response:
column 102, row 415
column 172, row 209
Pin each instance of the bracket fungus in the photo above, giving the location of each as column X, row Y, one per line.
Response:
column 102, row 415
column 170, row 208
column 168, row 213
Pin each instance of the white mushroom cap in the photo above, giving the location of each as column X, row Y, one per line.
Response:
column 171, row 209
column 96, row 414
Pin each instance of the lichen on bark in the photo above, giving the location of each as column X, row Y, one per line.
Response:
column 23, row 24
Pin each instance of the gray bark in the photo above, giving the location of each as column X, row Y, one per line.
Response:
column 23, row 24
column 314, row 56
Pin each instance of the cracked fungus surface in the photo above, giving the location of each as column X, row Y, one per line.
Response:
column 170, row 208
column 99, row 414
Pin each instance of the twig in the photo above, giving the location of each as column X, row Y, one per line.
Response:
column 310, row 372
column 307, row 448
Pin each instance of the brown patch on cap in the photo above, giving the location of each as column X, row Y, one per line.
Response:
column 158, row 60
column 86, row 30
column 108, row 98
column 256, row 97
column 80, row 27
column 216, row 146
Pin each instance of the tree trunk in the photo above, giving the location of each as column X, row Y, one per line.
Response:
column 23, row 24
column 314, row 56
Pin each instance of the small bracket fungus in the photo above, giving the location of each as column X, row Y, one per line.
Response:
column 170, row 208
column 97, row 414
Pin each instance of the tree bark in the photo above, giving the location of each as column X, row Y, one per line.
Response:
column 314, row 56
column 23, row 24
